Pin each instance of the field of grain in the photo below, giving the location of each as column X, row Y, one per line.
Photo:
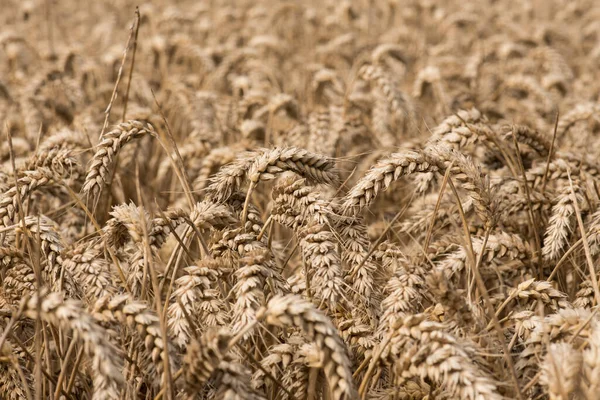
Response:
column 320, row 200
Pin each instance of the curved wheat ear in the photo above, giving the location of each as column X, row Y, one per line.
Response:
column 265, row 164
column 471, row 178
column 513, row 199
column 561, row 371
column 209, row 357
column 498, row 246
column 211, row 163
column 461, row 130
column 355, row 249
column 561, row 222
column 529, row 85
column 19, row 280
column 130, row 222
column 138, row 316
column 532, row 138
column 194, row 295
column 400, row 104
column 69, row 314
column 382, row 175
column 436, row 158
column 424, row 350
column 11, row 385
column 580, row 112
column 249, row 289
column 590, row 382
column 126, row 224
column 109, row 146
column 562, row 325
column 322, row 137
column 287, row 363
column 191, row 154
column 301, row 208
column 406, row 292
column 32, row 181
column 90, row 270
column 51, row 243
column 540, row 290
column 58, row 160
column 294, row 311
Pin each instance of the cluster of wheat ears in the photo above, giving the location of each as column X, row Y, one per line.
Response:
column 325, row 199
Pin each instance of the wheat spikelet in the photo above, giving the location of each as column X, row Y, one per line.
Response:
column 251, row 279
column 203, row 357
column 472, row 180
column 51, row 243
column 361, row 269
column 464, row 129
column 59, row 161
column 255, row 275
column 126, row 224
column 499, row 245
column 455, row 306
column 514, row 199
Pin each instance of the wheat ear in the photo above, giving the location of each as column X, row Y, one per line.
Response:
column 293, row 311
column 110, row 144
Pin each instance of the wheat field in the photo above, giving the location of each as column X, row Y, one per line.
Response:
column 333, row 199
